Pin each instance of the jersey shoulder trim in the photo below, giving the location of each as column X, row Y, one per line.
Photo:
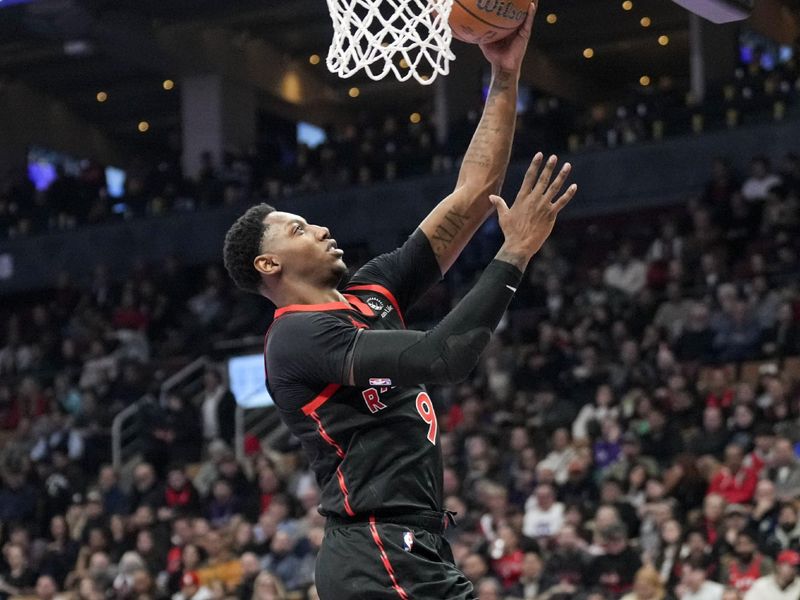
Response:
column 379, row 289
column 352, row 303
column 362, row 307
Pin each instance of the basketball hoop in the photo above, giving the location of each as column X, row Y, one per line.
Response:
column 409, row 38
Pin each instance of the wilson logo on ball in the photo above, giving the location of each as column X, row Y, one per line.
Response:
column 483, row 21
column 506, row 10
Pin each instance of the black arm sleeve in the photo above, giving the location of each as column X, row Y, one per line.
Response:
column 448, row 352
column 407, row 272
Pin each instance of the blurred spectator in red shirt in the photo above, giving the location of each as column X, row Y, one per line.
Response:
column 745, row 564
column 734, row 482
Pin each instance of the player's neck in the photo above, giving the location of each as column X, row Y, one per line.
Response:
column 304, row 293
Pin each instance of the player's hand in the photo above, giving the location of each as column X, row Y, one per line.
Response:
column 507, row 54
column 529, row 222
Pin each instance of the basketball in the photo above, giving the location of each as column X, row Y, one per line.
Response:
column 480, row 21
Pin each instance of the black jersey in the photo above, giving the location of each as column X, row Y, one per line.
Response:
column 373, row 449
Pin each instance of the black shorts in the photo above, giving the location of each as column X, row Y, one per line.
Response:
column 373, row 559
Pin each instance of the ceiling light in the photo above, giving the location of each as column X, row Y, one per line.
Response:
column 644, row 80
column 353, row 92
column 552, row 18
column 588, row 53
column 101, row 96
column 403, row 63
column 168, row 84
column 645, row 22
column 627, row 5
column 415, row 117
column 663, row 40
column 143, row 126
column 314, row 59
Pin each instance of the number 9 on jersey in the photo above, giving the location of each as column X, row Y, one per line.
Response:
column 425, row 410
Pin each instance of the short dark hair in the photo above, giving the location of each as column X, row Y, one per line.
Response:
column 698, row 564
column 615, row 533
column 243, row 244
column 749, row 533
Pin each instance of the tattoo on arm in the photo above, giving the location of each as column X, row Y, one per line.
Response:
column 513, row 258
column 483, row 169
column 482, row 150
column 448, row 230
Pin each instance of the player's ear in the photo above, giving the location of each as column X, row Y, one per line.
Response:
column 267, row 264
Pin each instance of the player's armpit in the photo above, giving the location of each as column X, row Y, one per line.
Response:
column 448, row 352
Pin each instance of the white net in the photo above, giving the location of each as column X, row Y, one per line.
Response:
column 409, row 38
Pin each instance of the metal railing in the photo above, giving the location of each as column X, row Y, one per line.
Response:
column 126, row 434
column 263, row 423
column 127, row 429
column 185, row 381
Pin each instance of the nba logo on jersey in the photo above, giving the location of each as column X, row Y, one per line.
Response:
column 408, row 541
column 379, row 381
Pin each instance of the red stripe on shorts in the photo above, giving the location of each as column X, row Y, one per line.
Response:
column 385, row 559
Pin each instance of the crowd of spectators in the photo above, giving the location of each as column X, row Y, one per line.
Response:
column 280, row 166
column 752, row 94
column 632, row 431
column 385, row 149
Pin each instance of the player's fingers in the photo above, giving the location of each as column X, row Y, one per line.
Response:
column 499, row 204
column 545, row 175
column 558, row 182
column 531, row 173
column 527, row 25
column 565, row 197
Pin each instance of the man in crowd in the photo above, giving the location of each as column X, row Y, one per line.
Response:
column 734, row 482
column 544, row 516
column 695, row 586
column 781, row 585
column 614, row 570
column 745, row 564
column 529, row 584
column 784, row 470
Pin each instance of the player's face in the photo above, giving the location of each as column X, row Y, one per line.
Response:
column 304, row 251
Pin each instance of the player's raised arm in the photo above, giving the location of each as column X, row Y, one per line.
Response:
column 448, row 352
column 454, row 221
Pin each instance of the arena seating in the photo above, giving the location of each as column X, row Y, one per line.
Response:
column 639, row 407
column 387, row 150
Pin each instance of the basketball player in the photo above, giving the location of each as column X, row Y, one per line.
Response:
column 346, row 375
